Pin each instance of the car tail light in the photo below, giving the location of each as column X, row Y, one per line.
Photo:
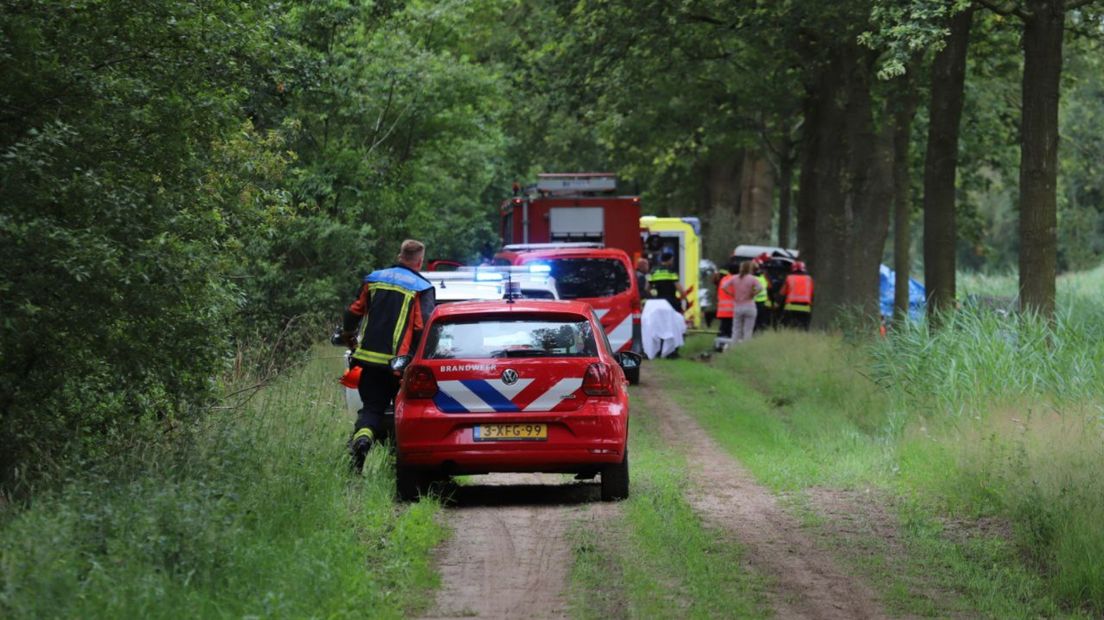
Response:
column 636, row 310
column 420, row 382
column 598, row 380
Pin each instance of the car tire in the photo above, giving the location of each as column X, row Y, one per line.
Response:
column 615, row 481
column 409, row 483
column 633, row 375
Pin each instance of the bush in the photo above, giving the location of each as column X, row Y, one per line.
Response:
column 120, row 220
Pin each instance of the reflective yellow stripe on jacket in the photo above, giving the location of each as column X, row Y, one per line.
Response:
column 762, row 297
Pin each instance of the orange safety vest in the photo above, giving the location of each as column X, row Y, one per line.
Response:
column 725, row 302
column 797, row 290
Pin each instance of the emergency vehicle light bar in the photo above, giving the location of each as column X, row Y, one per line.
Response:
column 522, row 247
column 552, row 183
column 487, row 276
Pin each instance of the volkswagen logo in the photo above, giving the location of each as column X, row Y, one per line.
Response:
column 509, row 376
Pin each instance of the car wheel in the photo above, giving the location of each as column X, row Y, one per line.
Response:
column 615, row 480
column 633, row 375
column 409, row 483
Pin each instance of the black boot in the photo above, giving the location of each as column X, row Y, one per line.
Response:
column 358, row 448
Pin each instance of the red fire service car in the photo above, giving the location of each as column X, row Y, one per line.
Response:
column 505, row 386
column 602, row 277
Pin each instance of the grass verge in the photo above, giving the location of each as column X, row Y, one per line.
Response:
column 255, row 514
column 814, row 420
column 659, row 561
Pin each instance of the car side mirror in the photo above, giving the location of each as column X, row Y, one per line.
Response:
column 628, row 359
column 398, row 364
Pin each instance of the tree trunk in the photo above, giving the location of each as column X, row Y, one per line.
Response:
column 756, row 198
column 851, row 192
column 723, row 182
column 870, row 182
column 940, row 164
column 1042, row 43
column 903, row 115
column 820, row 159
column 785, row 191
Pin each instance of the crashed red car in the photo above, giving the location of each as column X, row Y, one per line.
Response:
column 513, row 386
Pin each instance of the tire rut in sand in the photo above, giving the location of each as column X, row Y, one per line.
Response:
column 807, row 583
column 509, row 555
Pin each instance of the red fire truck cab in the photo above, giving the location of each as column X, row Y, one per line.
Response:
column 573, row 207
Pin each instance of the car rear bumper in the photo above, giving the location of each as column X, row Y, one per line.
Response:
column 514, row 458
column 576, row 442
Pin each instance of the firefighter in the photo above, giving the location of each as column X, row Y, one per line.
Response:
column 764, row 307
column 391, row 308
column 665, row 282
column 725, row 304
column 797, row 297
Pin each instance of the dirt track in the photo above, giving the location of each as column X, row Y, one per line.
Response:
column 807, row 581
column 509, row 556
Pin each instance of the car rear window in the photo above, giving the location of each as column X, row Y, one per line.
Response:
column 581, row 278
column 510, row 337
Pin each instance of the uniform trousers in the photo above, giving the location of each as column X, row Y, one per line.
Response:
column 378, row 387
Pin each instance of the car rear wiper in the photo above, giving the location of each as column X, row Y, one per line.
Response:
column 521, row 353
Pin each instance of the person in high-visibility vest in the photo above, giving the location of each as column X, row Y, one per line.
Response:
column 725, row 305
column 665, row 282
column 764, row 307
column 797, row 295
column 391, row 309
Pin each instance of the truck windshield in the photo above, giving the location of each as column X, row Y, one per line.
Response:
column 581, row 278
column 526, row 337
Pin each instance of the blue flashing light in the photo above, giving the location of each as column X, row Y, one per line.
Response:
column 540, row 268
column 488, row 276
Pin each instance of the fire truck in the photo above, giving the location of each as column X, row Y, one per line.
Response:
column 573, row 208
column 584, row 207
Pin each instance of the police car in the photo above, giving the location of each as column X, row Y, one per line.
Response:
column 513, row 386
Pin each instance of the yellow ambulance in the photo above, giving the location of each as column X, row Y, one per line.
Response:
column 680, row 236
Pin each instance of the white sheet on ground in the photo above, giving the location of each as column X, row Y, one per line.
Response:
column 661, row 327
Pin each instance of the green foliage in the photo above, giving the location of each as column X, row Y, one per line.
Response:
column 114, row 237
column 398, row 129
column 906, row 30
column 183, row 181
column 251, row 514
column 1081, row 185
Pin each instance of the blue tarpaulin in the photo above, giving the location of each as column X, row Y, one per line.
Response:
column 916, row 294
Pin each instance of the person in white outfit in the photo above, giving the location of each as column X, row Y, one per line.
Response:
column 743, row 288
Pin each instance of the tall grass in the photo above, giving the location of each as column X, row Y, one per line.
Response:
column 980, row 356
column 1019, row 403
column 252, row 514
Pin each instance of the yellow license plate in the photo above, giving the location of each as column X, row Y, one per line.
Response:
column 510, row 432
